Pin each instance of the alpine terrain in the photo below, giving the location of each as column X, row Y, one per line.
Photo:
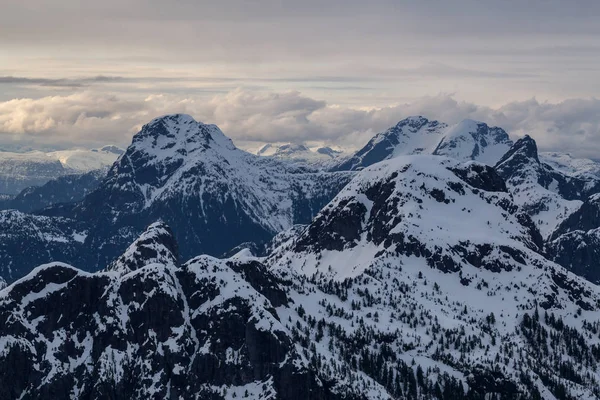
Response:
column 437, row 262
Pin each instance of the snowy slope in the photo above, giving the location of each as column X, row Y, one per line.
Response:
column 413, row 135
column 420, row 280
column 429, row 264
column 473, row 140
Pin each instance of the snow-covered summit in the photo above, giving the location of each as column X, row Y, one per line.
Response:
column 547, row 195
column 176, row 136
column 467, row 140
column 474, row 140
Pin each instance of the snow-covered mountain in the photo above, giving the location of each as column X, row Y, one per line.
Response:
column 190, row 175
column 432, row 260
column 421, row 279
column 322, row 157
column 151, row 328
column 473, row 140
column 467, row 140
column 21, row 170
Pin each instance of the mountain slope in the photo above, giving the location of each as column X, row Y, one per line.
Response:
column 575, row 244
column 216, row 196
column 413, row 135
column 426, row 262
column 30, row 240
column 419, row 280
column 472, row 140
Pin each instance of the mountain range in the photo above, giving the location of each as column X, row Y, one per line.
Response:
column 437, row 262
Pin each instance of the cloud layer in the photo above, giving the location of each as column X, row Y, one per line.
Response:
column 91, row 119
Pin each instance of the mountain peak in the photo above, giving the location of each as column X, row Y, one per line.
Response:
column 156, row 245
column 524, row 149
column 179, row 134
column 413, row 121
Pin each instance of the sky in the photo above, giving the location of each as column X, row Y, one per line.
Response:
column 77, row 73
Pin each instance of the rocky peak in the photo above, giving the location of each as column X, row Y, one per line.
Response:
column 523, row 151
column 177, row 135
column 415, row 122
column 156, row 245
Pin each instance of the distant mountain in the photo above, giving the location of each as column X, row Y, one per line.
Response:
column 64, row 189
column 472, row 140
column 30, row 240
column 468, row 140
column 570, row 165
column 21, row 170
column 321, row 156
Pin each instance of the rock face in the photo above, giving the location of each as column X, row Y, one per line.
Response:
column 575, row 244
column 154, row 329
column 467, row 140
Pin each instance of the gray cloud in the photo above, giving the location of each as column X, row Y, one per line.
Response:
column 487, row 51
column 91, row 119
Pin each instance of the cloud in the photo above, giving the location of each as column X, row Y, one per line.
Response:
column 91, row 119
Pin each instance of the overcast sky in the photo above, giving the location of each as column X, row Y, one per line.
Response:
column 86, row 73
